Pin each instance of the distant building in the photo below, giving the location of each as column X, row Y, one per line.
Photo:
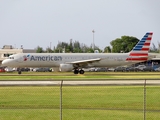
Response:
column 8, row 50
column 7, row 47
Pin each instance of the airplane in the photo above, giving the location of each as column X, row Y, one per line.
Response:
column 78, row 61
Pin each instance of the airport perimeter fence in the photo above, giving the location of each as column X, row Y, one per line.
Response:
column 80, row 102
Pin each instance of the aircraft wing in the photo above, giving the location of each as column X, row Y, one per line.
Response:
column 84, row 62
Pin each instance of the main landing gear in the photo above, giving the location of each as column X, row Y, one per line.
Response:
column 76, row 71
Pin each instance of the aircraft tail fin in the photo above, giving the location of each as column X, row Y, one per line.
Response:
column 141, row 49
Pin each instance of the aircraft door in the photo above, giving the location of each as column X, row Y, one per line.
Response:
column 21, row 59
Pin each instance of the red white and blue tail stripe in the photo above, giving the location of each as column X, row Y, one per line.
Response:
column 140, row 51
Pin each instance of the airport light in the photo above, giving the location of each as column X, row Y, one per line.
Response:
column 50, row 45
column 93, row 38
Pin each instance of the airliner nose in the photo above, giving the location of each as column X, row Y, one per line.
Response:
column 4, row 63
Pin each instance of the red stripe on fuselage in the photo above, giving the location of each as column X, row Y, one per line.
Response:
column 138, row 54
column 136, row 59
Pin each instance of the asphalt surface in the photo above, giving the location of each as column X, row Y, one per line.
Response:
column 79, row 83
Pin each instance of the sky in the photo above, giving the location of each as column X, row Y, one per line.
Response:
column 44, row 23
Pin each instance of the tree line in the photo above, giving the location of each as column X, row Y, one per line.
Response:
column 119, row 45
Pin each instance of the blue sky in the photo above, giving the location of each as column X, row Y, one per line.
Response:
column 33, row 23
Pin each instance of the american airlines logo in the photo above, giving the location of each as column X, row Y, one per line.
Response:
column 25, row 58
column 45, row 58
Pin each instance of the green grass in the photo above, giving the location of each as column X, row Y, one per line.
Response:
column 79, row 103
column 71, row 76
column 51, row 114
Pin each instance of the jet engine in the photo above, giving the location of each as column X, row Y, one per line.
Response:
column 66, row 67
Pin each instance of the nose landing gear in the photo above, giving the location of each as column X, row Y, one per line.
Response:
column 19, row 71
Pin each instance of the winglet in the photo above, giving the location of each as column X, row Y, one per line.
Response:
column 140, row 51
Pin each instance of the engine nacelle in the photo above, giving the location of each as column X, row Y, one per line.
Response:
column 65, row 67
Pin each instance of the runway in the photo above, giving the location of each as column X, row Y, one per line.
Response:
column 79, row 83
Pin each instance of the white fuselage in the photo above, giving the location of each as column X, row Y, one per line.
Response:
column 55, row 59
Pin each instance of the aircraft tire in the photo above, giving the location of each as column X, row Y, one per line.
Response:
column 75, row 71
column 81, row 71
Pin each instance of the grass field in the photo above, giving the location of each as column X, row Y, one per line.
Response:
column 83, row 102
column 71, row 76
column 79, row 102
